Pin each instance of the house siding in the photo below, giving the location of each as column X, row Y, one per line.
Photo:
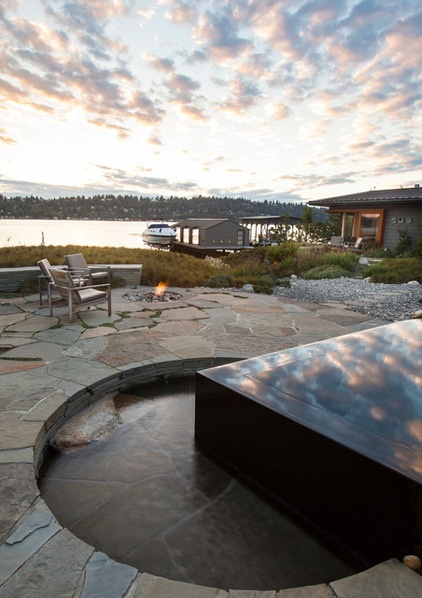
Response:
column 406, row 217
column 222, row 234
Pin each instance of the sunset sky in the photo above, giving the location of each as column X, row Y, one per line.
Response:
column 283, row 100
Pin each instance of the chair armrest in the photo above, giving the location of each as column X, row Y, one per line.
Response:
column 82, row 288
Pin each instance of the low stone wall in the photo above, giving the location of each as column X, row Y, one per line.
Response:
column 143, row 373
column 12, row 279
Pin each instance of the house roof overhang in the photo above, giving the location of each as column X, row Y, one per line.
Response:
column 205, row 223
column 372, row 198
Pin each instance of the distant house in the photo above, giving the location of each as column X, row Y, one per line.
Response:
column 210, row 236
column 378, row 217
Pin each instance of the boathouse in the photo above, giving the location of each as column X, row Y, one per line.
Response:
column 210, row 236
column 378, row 217
column 261, row 226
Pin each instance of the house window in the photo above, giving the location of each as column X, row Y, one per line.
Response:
column 369, row 225
column 240, row 237
column 186, row 235
column 195, row 236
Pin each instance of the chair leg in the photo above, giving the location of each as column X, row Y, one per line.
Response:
column 70, row 306
column 109, row 302
column 50, row 298
column 40, row 289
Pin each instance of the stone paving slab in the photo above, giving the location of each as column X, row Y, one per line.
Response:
column 318, row 591
column 62, row 336
column 10, row 319
column 18, row 491
column 158, row 587
column 42, row 558
column 106, row 578
column 11, row 366
column 26, row 541
column 252, row 594
column 33, row 324
column 389, row 579
column 54, row 570
column 43, row 351
column 15, row 433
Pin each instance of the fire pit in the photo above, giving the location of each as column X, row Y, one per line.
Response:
column 158, row 294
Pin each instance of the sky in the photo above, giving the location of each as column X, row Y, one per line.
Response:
column 287, row 100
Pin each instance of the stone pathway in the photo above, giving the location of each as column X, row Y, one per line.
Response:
column 50, row 369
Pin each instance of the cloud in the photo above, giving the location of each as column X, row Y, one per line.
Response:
column 280, row 111
column 340, row 80
column 164, row 65
column 47, row 70
column 182, row 92
column 4, row 137
column 140, row 183
column 219, row 33
column 180, row 12
column 244, row 95
column 154, row 140
column 255, row 65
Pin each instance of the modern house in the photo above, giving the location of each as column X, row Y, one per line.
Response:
column 378, row 217
column 210, row 236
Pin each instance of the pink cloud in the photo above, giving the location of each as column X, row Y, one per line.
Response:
column 280, row 111
column 5, row 138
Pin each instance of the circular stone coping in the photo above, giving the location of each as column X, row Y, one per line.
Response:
column 141, row 373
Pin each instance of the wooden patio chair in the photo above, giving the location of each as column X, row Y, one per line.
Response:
column 79, row 297
column 356, row 247
column 45, row 281
column 337, row 241
column 77, row 263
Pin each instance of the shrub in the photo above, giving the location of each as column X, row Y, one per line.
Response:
column 274, row 261
column 418, row 248
column 220, row 281
column 279, row 253
column 327, row 271
column 345, row 259
column 377, row 252
column 263, row 284
column 396, row 270
column 175, row 269
column 309, row 257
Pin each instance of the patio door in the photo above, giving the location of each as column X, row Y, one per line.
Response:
column 370, row 226
column 362, row 223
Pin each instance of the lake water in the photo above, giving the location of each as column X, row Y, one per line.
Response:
column 98, row 233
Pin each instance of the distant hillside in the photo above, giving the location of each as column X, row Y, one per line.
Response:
column 130, row 207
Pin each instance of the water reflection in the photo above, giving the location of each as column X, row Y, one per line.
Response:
column 363, row 390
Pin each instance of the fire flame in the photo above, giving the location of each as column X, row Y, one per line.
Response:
column 160, row 289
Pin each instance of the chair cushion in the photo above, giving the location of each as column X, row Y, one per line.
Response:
column 76, row 261
column 90, row 295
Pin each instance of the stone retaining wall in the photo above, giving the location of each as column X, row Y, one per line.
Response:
column 12, row 279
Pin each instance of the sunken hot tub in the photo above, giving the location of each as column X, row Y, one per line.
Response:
column 331, row 430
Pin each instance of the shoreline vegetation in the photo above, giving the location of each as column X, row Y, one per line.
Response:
column 132, row 207
column 262, row 267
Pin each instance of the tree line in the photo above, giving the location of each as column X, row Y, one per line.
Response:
column 131, row 207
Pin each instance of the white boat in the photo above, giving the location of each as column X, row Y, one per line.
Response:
column 159, row 234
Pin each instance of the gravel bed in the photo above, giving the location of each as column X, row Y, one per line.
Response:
column 389, row 302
